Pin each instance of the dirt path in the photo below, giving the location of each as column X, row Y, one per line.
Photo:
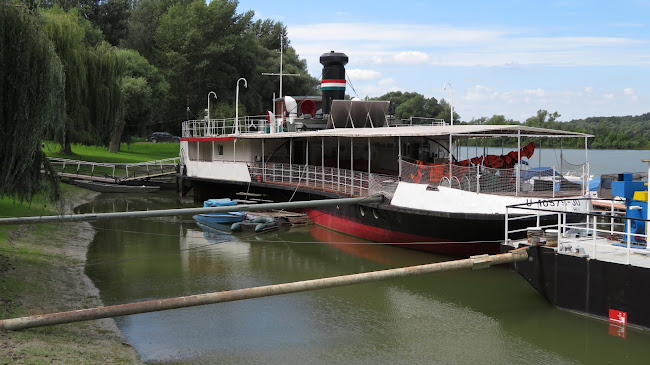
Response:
column 42, row 271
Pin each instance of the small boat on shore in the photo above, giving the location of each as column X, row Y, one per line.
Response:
column 115, row 188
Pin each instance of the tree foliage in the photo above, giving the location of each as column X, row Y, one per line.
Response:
column 93, row 74
column 31, row 102
column 626, row 132
column 194, row 46
column 412, row 104
column 109, row 17
column 203, row 47
column 143, row 90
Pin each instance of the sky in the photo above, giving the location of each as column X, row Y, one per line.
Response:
column 511, row 58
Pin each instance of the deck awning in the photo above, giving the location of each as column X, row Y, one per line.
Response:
column 434, row 132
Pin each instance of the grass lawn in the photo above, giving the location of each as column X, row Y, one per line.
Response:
column 10, row 208
column 129, row 153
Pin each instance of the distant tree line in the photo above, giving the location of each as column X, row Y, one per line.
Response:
column 625, row 132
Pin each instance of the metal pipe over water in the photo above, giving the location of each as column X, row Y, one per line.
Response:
column 173, row 212
column 474, row 262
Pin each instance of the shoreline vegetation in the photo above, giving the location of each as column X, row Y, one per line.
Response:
column 42, row 271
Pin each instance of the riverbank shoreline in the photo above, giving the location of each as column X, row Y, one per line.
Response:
column 42, row 270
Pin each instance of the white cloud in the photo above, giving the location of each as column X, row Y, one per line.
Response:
column 363, row 74
column 458, row 46
column 628, row 91
column 536, row 92
column 588, row 89
column 479, row 93
column 609, row 96
column 411, row 57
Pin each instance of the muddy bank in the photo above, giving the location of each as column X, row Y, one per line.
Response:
column 42, row 271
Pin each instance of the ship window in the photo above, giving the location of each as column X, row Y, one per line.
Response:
column 193, row 151
column 374, row 213
column 220, row 149
column 363, row 213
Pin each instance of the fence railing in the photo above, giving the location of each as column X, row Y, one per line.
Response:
column 114, row 171
column 601, row 236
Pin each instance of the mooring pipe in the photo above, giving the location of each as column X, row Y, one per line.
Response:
column 169, row 212
column 474, row 262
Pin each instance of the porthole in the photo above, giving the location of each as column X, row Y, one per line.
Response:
column 374, row 213
column 337, row 206
column 363, row 213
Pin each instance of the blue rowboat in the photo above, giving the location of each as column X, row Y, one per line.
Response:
column 220, row 221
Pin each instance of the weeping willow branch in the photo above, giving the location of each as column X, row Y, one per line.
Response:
column 32, row 103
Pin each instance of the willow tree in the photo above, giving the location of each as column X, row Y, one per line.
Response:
column 32, row 103
column 93, row 74
column 105, row 101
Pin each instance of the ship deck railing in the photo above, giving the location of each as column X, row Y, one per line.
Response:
column 250, row 124
column 329, row 179
column 362, row 183
column 549, row 182
column 417, row 121
column 598, row 235
column 225, row 127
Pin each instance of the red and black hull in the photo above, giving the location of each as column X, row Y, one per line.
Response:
column 438, row 232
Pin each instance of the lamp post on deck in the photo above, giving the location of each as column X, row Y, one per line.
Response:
column 237, row 104
column 215, row 98
column 451, row 106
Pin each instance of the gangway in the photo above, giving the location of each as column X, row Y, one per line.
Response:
column 114, row 172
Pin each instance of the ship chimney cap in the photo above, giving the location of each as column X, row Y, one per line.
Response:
column 333, row 58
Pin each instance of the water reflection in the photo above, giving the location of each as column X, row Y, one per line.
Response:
column 488, row 316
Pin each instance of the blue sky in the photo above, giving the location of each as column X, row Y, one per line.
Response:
column 579, row 58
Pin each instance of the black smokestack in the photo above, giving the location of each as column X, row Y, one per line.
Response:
column 333, row 84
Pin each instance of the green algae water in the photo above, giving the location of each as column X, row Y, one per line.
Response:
column 490, row 316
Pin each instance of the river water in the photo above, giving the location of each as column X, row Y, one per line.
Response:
column 490, row 316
